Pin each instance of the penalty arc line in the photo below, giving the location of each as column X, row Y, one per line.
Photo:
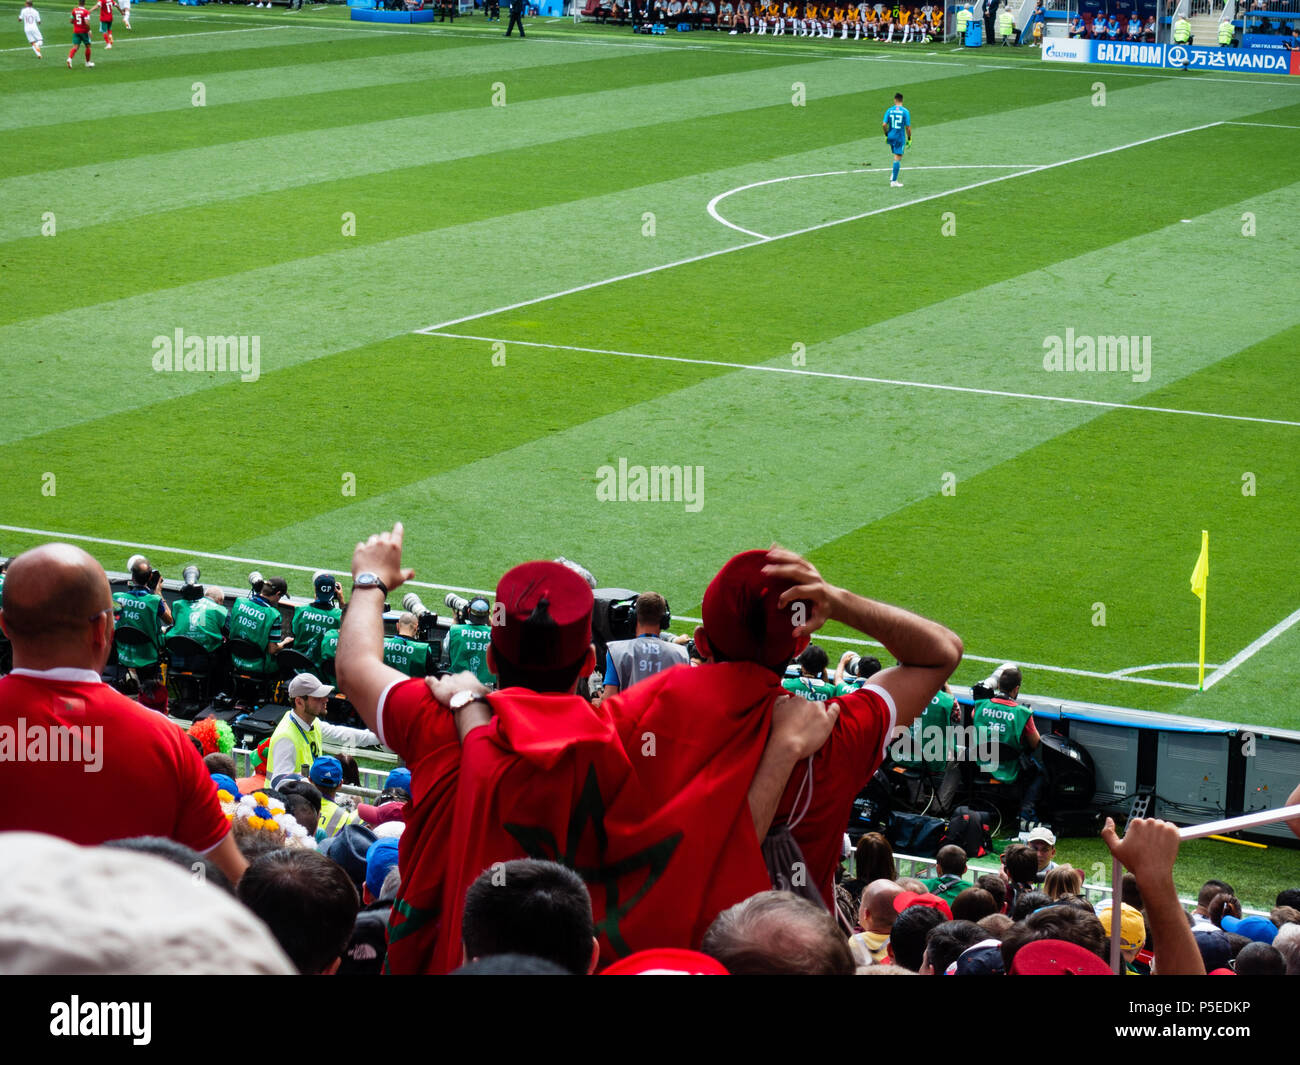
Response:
column 864, row 379
column 713, row 203
column 808, row 229
column 1159, row 665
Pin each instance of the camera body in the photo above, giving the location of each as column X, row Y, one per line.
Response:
column 426, row 620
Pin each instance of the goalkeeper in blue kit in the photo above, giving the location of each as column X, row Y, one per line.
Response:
column 897, row 125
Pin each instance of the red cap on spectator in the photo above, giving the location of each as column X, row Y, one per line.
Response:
column 547, row 623
column 1056, row 957
column 911, row 898
column 741, row 619
column 666, row 961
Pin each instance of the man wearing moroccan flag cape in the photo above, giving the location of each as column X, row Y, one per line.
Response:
column 543, row 774
column 758, row 613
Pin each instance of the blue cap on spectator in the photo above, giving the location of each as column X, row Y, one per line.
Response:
column 348, row 849
column 398, row 778
column 226, row 783
column 1260, row 929
column 327, row 770
column 380, row 858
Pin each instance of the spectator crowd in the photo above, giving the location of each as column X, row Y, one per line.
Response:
column 682, row 810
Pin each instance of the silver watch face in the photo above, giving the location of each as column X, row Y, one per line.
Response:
column 367, row 580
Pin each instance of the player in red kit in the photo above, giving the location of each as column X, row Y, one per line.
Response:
column 105, row 8
column 80, row 33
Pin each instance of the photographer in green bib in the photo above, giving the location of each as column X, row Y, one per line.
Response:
column 853, row 671
column 810, row 680
column 998, row 715
column 256, row 618
column 141, row 608
column 404, row 652
column 201, row 617
column 313, row 620
column 465, row 646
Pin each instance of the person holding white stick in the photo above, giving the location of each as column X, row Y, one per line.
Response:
column 1148, row 850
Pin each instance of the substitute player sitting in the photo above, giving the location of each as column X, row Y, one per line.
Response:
column 911, row 25
column 897, row 125
column 31, row 20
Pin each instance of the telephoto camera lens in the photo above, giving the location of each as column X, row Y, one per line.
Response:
column 413, row 603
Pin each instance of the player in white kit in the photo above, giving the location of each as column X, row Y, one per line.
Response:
column 31, row 20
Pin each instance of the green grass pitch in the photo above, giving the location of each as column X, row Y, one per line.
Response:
column 477, row 271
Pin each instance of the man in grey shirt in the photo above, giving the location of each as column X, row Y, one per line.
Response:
column 647, row 653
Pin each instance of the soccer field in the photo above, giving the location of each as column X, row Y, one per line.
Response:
column 473, row 276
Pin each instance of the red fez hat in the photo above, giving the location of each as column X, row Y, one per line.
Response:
column 547, row 623
column 741, row 619
column 1055, row 957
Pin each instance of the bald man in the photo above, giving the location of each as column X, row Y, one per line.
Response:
column 404, row 652
column 77, row 759
column 876, row 916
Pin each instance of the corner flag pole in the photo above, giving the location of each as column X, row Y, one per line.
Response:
column 1199, row 577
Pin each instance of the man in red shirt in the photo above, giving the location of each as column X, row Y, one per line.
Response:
column 105, row 8
column 78, row 759
column 533, row 770
column 758, row 613
column 80, row 33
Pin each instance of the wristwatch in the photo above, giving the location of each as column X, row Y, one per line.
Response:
column 369, row 580
column 463, row 698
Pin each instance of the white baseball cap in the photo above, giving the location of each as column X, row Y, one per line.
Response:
column 306, row 686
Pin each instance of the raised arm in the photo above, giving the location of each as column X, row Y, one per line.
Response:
column 927, row 652
column 1148, row 850
column 359, row 663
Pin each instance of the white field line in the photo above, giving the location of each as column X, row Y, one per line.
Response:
column 50, row 534
column 796, row 372
column 189, row 553
column 1251, row 649
column 713, row 203
column 161, row 37
column 1159, row 665
column 813, row 229
column 1262, row 125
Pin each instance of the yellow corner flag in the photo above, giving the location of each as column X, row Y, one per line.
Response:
column 1199, row 575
